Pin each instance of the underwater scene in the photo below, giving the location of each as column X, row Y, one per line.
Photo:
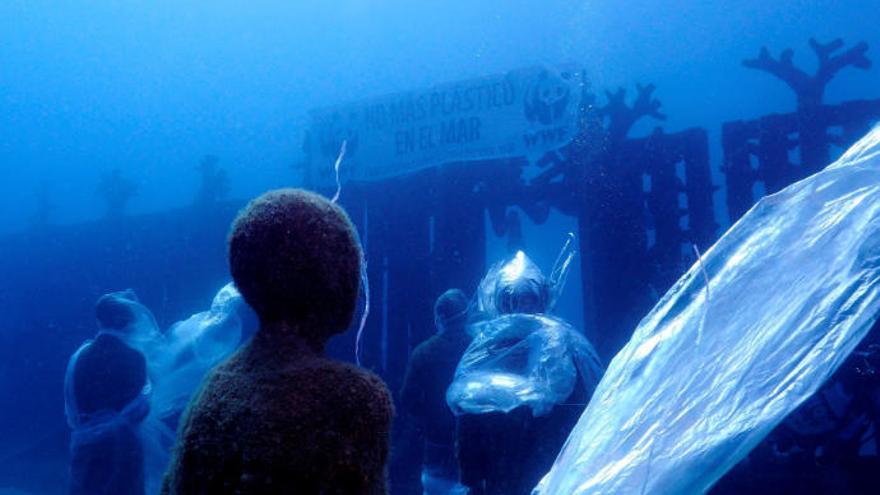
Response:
column 489, row 247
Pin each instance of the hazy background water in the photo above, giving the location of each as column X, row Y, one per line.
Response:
column 150, row 87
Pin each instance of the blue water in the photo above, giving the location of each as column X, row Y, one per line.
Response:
column 150, row 88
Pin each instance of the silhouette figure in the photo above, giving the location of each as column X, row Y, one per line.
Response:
column 278, row 416
column 423, row 397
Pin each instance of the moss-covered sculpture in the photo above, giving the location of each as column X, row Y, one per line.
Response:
column 279, row 417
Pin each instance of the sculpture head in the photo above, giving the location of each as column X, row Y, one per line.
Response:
column 521, row 287
column 115, row 311
column 451, row 310
column 295, row 258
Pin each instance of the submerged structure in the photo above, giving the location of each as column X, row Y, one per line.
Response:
column 745, row 336
column 776, row 150
column 641, row 203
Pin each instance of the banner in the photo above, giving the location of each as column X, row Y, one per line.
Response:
column 525, row 112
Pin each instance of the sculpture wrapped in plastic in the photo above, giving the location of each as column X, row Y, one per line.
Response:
column 140, row 333
column 521, row 356
column 792, row 289
column 177, row 360
column 95, row 431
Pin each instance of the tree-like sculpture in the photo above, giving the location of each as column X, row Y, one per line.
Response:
column 116, row 191
column 810, row 91
column 622, row 117
column 214, row 183
column 810, row 88
column 602, row 131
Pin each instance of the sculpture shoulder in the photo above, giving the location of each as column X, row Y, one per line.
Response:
column 308, row 387
column 109, row 356
column 347, row 389
column 312, row 423
column 105, row 346
column 107, row 374
column 427, row 349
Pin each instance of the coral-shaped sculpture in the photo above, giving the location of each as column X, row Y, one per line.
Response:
column 813, row 136
column 622, row 117
column 810, row 88
column 116, row 191
column 214, row 185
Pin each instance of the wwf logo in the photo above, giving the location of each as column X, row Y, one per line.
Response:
column 547, row 99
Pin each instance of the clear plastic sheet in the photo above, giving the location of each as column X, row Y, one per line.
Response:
column 142, row 333
column 192, row 347
column 521, row 270
column 708, row 373
column 522, row 360
column 520, row 356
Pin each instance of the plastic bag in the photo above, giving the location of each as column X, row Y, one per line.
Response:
column 142, row 332
column 194, row 346
column 793, row 288
column 493, row 298
column 522, row 360
column 520, row 356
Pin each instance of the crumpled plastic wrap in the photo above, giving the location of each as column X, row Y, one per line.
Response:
column 193, row 347
column 522, row 360
column 792, row 289
column 521, row 356
column 142, row 332
column 494, row 296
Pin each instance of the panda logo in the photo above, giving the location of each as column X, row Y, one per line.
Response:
column 547, row 99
